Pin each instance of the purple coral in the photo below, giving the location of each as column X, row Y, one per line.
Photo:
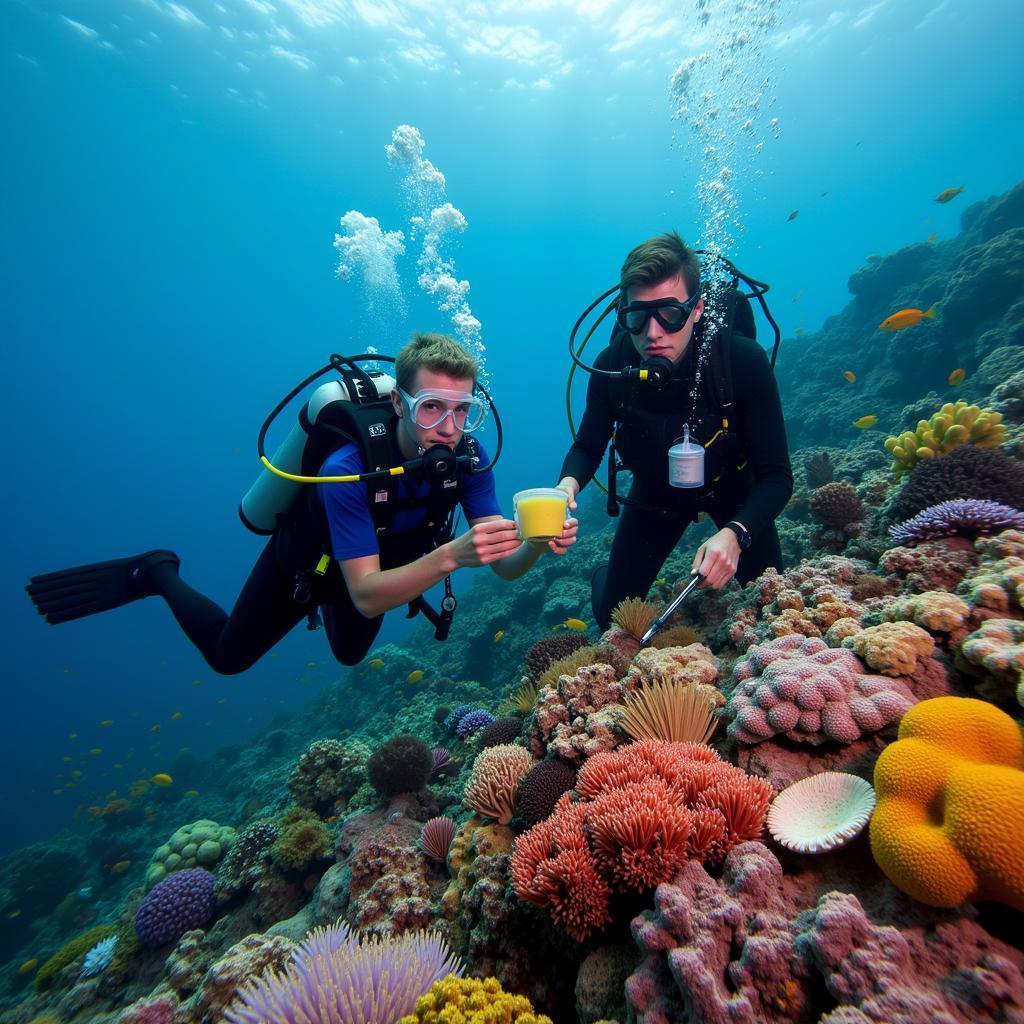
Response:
column 340, row 977
column 961, row 517
column 180, row 902
column 811, row 692
column 470, row 723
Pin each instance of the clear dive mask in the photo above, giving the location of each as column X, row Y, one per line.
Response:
column 431, row 406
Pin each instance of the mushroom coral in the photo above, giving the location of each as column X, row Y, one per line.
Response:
column 949, row 822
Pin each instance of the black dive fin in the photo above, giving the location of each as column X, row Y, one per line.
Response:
column 88, row 589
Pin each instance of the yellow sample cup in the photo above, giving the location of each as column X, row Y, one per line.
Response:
column 540, row 513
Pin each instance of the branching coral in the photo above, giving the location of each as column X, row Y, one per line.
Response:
column 642, row 811
column 954, row 425
column 810, row 692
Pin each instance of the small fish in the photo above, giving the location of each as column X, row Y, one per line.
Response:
column 28, row 965
column 191, row 793
column 121, row 865
column 176, row 715
column 106, row 723
column 415, row 675
column 76, row 774
column 67, row 760
column 310, row 664
column 376, row 663
column 949, row 193
column 793, row 216
column 930, row 240
column 798, row 331
column 850, row 376
column 660, row 581
column 72, row 735
column 575, row 624
column 161, row 779
column 223, row 700
column 499, row 635
column 956, row 378
column 823, row 194
column 154, row 728
column 12, row 915
column 865, row 422
column 197, row 682
column 96, row 751
column 906, row 318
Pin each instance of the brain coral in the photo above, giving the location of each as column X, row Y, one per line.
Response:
column 949, row 821
column 892, row 647
column 810, row 692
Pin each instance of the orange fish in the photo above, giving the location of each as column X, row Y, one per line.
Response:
column 956, row 378
column 906, row 318
column 949, row 193
column 850, row 376
column 121, row 865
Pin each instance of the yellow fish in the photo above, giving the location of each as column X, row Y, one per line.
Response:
column 176, row 716
column 793, row 216
column 154, row 728
column 121, row 865
column 67, row 760
column 161, row 779
column 106, row 723
column 850, row 376
column 956, row 378
column 499, row 635
column 191, row 793
column 798, row 330
column 77, row 774
column 576, row 624
column 415, row 675
column 376, row 663
column 96, row 751
column 660, row 581
column 28, row 965
column 865, row 421
column 930, row 240
column 949, row 193
column 906, row 318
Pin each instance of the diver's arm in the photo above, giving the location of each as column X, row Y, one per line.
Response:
column 374, row 590
column 520, row 561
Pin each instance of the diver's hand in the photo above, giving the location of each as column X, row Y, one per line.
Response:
column 571, row 486
column 485, row 543
column 559, row 545
column 716, row 559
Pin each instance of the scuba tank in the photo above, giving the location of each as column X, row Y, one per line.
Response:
column 271, row 495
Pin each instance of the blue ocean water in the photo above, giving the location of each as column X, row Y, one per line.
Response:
column 174, row 175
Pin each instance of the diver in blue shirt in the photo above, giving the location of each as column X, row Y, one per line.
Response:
column 335, row 549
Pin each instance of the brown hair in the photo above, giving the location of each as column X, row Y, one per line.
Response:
column 436, row 352
column 659, row 259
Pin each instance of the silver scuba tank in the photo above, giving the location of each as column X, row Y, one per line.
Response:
column 271, row 496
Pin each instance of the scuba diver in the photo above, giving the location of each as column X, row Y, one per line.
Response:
column 373, row 529
column 693, row 411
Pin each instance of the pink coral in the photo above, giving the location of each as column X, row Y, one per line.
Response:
column 739, row 950
column 810, row 692
column 492, row 786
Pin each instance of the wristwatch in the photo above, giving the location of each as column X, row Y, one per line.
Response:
column 742, row 534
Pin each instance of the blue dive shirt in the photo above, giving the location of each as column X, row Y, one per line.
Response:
column 352, row 531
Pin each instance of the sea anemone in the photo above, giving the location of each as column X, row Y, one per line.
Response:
column 98, row 959
column 821, row 812
column 960, row 517
column 635, row 616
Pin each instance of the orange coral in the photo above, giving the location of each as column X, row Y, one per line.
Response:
column 496, row 773
column 949, row 823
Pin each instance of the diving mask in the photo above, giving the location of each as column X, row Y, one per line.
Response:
column 431, row 406
column 671, row 314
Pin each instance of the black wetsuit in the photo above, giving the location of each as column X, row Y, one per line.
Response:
column 747, row 470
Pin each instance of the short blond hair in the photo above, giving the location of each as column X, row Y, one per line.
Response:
column 437, row 352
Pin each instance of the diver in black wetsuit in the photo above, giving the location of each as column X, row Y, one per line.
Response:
column 747, row 473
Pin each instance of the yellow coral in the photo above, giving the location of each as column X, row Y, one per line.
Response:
column 949, row 822
column 893, row 647
column 472, row 1001
column 998, row 649
column 935, row 610
column 952, row 426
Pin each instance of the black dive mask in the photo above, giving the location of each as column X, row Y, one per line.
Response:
column 671, row 314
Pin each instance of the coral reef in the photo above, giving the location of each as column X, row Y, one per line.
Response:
column 181, row 901
column 550, row 649
column 401, row 765
column 893, row 648
column 472, row 1001
column 836, row 505
column 950, row 812
column 501, row 730
column 302, row 839
column 996, row 651
column 960, row 517
column 328, row 771
column 492, row 785
column 539, row 789
column 199, row 844
column 811, row 693
column 954, row 425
